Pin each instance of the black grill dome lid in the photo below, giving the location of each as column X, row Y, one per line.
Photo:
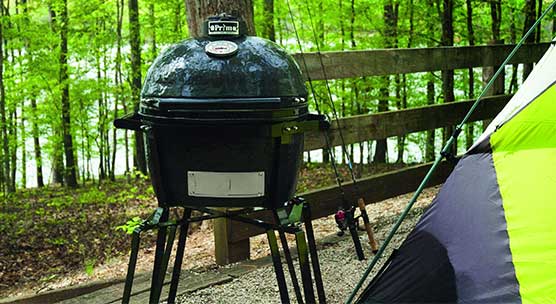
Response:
column 260, row 68
column 224, row 76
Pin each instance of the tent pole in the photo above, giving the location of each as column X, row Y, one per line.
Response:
column 443, row 154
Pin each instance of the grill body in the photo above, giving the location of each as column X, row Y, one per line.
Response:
column 223, row 131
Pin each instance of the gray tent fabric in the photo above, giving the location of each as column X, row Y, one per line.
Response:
column 447, row 246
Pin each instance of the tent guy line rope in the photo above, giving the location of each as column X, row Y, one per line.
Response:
column 442, row 155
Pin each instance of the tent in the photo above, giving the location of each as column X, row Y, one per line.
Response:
column 490, row 234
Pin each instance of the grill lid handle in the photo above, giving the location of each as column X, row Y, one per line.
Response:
column 130, row 121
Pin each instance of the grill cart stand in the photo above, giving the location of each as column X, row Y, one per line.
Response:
column 291, row 217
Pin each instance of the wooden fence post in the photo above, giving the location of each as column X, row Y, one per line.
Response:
column 227, row 251
column 498, row 85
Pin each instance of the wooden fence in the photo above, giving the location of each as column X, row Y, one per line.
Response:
column 232, row 238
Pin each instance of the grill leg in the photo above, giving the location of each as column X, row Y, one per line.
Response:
column 303, row 255
column 165, row 260
column 284, row 297
column 131, row 266
column 179, row 256
column 313, row 252
column 158, row 272
column 291, row 268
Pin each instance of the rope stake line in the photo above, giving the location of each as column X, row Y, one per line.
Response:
column 445, row 150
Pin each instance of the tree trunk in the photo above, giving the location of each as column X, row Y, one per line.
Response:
column 118, row 82
column 530, row 17
column 199, row 10
column 152, row 21
column 3, row 119
column 381, row 144
column 390, row 33
column 448, row 75
column 71, row 176
column 101, row 124
column 513, row 38
column 268, row 23
column 429, row 147
column 398, row 96
column 539, row 27
column 36, row 143
column 403, row 97
column 13, row 147
column 23, row 145
column 139, row 158
column 496, row 18
column 470, row 128
column 177, row 19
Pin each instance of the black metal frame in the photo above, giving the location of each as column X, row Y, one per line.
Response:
column 305, row 243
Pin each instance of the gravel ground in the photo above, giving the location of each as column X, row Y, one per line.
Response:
column 340, row 269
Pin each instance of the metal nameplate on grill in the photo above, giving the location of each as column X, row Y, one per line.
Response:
column 223, row 28
column 225, row 184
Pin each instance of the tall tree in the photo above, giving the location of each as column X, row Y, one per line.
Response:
column 134, row 41
column 431, row 91
column 471, row 78
column 513, row 38
column 199, row 10
column 530, row 12
column 33, row 102
column 390, row 34
column 57, row 137
column 539, row 27
column 3, row 119
column 448, row 75
column 496, row 18
column 268, row 23
column 402, row 104
column 71, row 175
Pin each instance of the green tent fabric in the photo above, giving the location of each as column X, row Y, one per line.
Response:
column 524, row 154
column 490, row 234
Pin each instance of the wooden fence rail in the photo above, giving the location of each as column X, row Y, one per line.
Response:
column 348, row 64
column 361, row 128
column 325, row 201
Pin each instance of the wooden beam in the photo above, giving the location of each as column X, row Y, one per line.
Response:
column 360, row 128
column 228, row 251
column 325, row 201
column 380, row 62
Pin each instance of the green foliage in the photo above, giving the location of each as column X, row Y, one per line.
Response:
column 93, row 196
column 130, row 225
column 90, row 266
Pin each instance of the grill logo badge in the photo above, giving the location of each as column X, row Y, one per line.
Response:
column 221, row 48
column 223, row 28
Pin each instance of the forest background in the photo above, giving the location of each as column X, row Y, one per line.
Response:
column 68, row 68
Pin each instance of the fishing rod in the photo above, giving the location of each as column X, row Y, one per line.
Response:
column 347, row 156
column 346, row 213
column 444, row 153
